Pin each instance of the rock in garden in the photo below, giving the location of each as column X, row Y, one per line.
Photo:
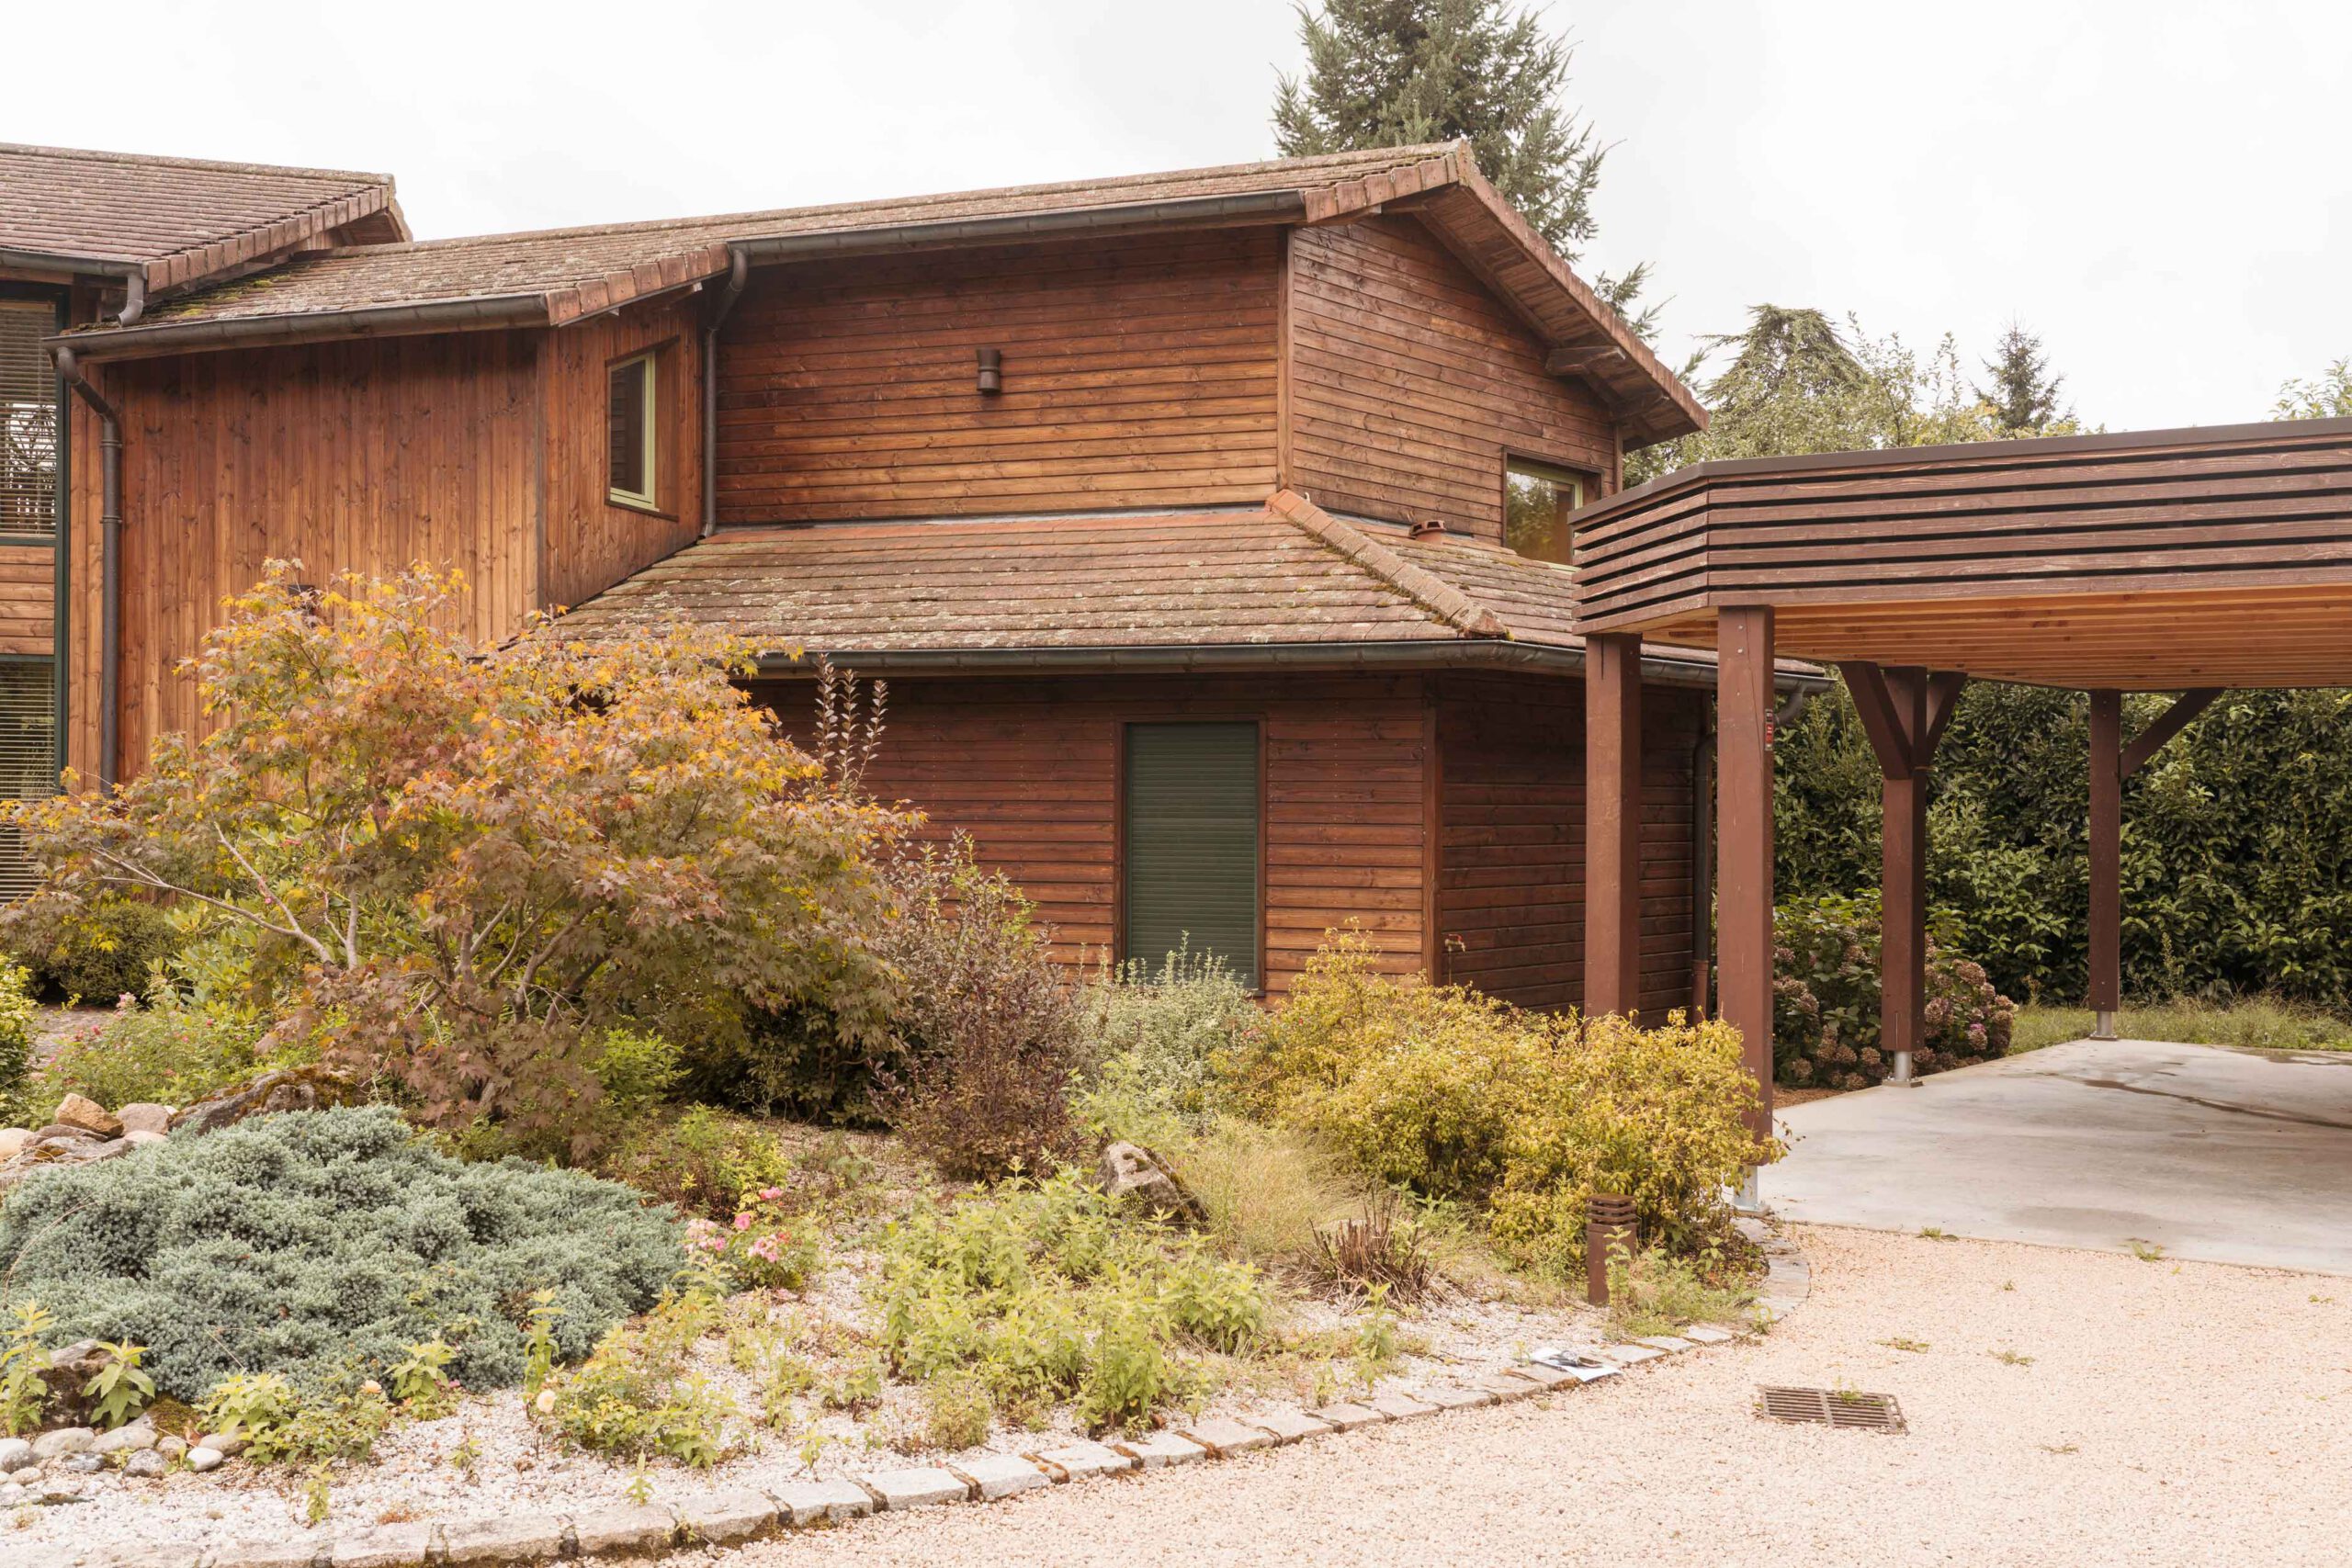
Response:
column 10, row 1494
column 69, row 1372
column 15, row 1454
column 228, row 1444
column 294, row 1089
column 13, row 1140
column 146, row 1463
column 140, row 1140
column 145, row 1116
column 200, row 1459
column 80, row 1111
column 137, row 1436
column 65, row 1441
column 63, row 1132
column 81, row 1465
column 1131, row 1172
column 27, row 1476
column 172, row 1448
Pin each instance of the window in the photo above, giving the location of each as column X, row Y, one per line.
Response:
column 1537, row 499
column 1192, row 843
column 631, row 397
column 28, row 756
column 27, row 419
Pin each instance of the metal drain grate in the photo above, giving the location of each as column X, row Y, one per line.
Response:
column 1830, row 1407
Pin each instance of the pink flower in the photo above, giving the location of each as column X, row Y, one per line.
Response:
column 770, row 1194
column 742, row 1222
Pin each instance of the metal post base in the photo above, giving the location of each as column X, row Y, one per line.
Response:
column 2103, row 1026
column 1902, row 1073
column 1749, row 1198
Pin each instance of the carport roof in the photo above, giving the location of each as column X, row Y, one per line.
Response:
column 2154, row 560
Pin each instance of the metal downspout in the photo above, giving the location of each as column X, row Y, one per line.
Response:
column 111, row 560
column 739, row 269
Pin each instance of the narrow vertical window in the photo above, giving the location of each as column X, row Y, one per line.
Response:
column 1537, row 499
column 1192, row 831
column 28, row 756
column 27, row 419
column 631, row 424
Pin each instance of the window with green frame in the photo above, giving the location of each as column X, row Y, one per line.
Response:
column 1192, row 825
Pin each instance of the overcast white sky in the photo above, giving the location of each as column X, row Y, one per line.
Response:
column 2159, row 188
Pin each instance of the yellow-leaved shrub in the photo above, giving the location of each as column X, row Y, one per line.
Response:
column 1458, row 1094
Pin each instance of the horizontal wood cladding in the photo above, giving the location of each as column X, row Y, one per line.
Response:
column 363, row 456
column 1029, row 768
column 2127, row 549
column 28, row 599
column 1136, row 372
column 1511, row 895
column 592, row 543
column 1409, row 383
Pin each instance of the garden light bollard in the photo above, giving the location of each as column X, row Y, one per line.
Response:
column 1607, row 1229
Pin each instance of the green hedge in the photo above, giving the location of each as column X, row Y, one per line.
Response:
column 2237, row 839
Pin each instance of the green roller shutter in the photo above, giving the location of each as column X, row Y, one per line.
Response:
column 28, row 756
column 1192, row 842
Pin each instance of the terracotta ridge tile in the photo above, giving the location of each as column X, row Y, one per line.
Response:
column 1424, row 587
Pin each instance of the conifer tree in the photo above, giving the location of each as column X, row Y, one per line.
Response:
column 2024, row 394
column 1398, row 73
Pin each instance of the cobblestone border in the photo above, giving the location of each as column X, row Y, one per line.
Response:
column 742, row 1513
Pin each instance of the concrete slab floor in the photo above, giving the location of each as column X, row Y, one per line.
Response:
column 2224, row 1154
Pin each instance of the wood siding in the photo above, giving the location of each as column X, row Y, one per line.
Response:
column 1137, row 373
column 1030, row 769
column 363, row 456
column 28, row 599
column 1511, row 898
column 1409, row 383
column 591, row 543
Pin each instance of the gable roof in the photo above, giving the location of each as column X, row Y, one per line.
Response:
column 551, row 276
column 1284, row 583
column 169, row 221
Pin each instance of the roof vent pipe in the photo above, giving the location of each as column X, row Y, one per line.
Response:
column 739, row 269
column 110, row 560
column 1428, row 528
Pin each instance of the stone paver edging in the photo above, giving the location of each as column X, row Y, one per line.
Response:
column 743, row 1512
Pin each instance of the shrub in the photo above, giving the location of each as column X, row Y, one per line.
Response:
column 1152, row 1040
column 1461, row 1097
column 1653, row 1292
column 457, row 867
column 171, row 1052
column 1044, row 1292
column 320, row 1245
column 957, row 1413
column 97, row 951
column 15, row 1044
column 1267, row 1190
column 1825, row 997
column 635, row 1397
column 703, row 1160
column 988, row 1036
column 767, row 1246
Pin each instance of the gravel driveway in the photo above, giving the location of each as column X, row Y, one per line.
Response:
column 2171, row 1412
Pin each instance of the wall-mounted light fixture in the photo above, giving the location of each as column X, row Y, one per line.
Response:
column 991, row 370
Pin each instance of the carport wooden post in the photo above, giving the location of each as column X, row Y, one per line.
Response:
column 2106, row 986
column 1903, row 710
column 1612, row 814
column 1744, row 830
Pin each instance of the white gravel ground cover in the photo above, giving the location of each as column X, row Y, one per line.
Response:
column 513, row 1466
column 2169, row 1414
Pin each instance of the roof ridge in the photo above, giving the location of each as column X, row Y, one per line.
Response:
column 163, row 161
column 1418, row 153
column 1424, row 587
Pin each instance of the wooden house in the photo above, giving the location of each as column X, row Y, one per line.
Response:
column 1211, row 527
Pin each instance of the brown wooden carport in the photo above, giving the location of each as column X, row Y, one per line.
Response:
column 2184, row 560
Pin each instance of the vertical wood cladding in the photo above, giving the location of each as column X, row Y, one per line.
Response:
column 1138, row 372
column 1510, row 902
column 28, row 598
column 365, row 456
column 1030, row 769
column 591, row 543
column 1409, row 383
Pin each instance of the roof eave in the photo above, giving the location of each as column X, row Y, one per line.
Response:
column 241, row 331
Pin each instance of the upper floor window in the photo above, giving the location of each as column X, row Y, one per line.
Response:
column 1537, row 499
column 27, row 419
column 632, row 396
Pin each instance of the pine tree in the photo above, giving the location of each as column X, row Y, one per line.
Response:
column 2024, row 394
column 1398, row 73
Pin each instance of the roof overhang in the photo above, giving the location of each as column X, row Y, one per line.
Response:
column 2156, row 560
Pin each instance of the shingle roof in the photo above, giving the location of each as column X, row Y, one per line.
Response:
column 1283, row 575
column 175, row 220
column 551, row 276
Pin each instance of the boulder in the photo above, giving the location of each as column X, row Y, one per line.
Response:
column 146, row 1463
column 138, row 1138
column 145, row 1116
column 291, row 1089
column 78, row 1110
column 64, row 1132
column 69, row 1372
column 202, row 1460
column 13, row 1140
column 63, row 1441
column 1132, row 1173
column 15, row 1454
